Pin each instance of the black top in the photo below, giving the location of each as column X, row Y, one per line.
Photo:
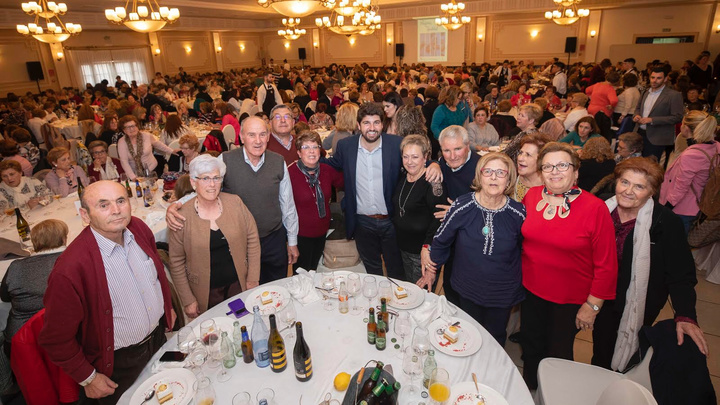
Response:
column 547, row 115
column 699, row 77
column 222, row 269
column 107, row 136
column 302, row 101
column 592, row 171
column 459, row 182
column 414, row 206
column 428, row 110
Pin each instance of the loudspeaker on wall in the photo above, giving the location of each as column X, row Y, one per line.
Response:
column 302, row 55
column 35, row 71
column 571, row 44
column 400, row 50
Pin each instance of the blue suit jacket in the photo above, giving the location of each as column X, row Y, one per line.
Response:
column 345, row 159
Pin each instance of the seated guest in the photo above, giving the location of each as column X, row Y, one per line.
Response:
column 103, row 167
column 17, row 190
column 203, row 269
column 527, row 121
column 577, row 110
column 527, row 165
column 448, row 112
column 182, row 188
column 522, row 97
column 63, row 178
column 345, row 125
column 297, row 112
column 141, row 114
column 409, row 120
column 185, row 113
column 630, row 144
column 597, row 161
column 86, row 113
column 547, row 115
column 312, row 184
column 26, row 279
column 320, row 119
column 585, row 129
column 135, row 148
column 157, row 115
column 205, row 113
column 174, row 129
column 109, row 132
column 654, row 262
column 502, row 120
column 26, row 148
column 189, row 150
column 391, row 102
column 9, row 151
column 481, row 133
column 553, row 100
column 36, row 122
column 222, row 111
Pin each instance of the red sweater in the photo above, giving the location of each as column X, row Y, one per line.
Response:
column 78, row 333
column 564, row 260
column 290, row 155
column 311, row 225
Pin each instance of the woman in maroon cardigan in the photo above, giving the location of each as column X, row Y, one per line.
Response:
column 311, row 185
column 104, row 167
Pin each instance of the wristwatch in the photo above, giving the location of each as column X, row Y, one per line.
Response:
column 593, row 306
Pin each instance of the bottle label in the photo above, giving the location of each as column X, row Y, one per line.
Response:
column 380, row 343
column 303, row 371
column 371, row 338
column 263, row 356
column 278, row 359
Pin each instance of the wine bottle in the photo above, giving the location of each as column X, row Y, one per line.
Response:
column 301, row 356
column 373, row 397
column 246, row 346
column 80, row 188
column 371, row 327
column 128, row 189
column 343, row 298
column 138, row 189
column 278, row 357
column 226, row 348
column 260, row 337
column 380, row 335
column 23, row 228
column 371, row 382
column 428, row 368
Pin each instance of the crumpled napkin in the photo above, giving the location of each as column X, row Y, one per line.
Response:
column 159, row 366
column 302, row 286
column 154, row 217
column 430, row 310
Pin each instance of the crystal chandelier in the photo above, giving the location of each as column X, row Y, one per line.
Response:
column 146, row 17
column 55, row 32
column 291, row 31
column 567, row 12
column 451, row 16
column 363, row 22
column 347, row 8
column 292, row 8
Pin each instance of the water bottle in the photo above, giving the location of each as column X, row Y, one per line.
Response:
column 260, row 336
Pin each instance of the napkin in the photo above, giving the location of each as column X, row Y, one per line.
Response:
column 159, row 366
column 431, row 310
column 154, row 217
column 302, row 286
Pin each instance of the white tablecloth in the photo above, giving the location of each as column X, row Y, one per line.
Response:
column 71, row 129
column 338, row 343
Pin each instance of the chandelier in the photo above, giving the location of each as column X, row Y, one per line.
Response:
column 347, row 8
column 451, row 16
column 293, row 8
column 55, row 32
column 363, row 22
column 142, row 18
column 567, row 12
column 291, row 31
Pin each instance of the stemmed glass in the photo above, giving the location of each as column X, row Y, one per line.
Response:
column 412, row 366
column 204, row 392
column 220, row 354
column 370, row 289
column 211, row 339
column 328, row 283
column 186, row 339
column 402, row 329
column 354, row 288
column 287, row 316
column 421, row 341
column 439, row 386
column 198, row 355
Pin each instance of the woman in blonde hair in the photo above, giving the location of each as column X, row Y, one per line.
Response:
column 345, row 125
column 686, row 177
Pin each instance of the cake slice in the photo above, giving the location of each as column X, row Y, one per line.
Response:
column 163, row 393
column 400, row 293
column 266, row 298
column 452, row 333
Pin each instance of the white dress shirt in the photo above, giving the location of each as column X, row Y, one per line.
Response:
column 369, row 181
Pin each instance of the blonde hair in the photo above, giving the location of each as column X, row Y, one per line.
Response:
column 701, row 124
column 49, row 234
column 419, row 140
column 346, row 117
column 512, row 173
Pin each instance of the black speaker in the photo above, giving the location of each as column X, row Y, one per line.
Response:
column 400, row 50
column 570, row 44
column 35, row 71
column 301, row 54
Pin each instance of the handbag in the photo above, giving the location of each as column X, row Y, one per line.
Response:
column 340, row 253
column 703, row 232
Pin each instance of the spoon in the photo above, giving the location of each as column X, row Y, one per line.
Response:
column 479, row 396
column 148, row 397
column 288, row 327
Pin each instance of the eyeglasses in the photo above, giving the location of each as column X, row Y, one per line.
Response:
column 279, row 117
column 216, row 179
column 310, row 147
column 500, row 173
column 561, row 167
column 130, row 126
column 98, row 152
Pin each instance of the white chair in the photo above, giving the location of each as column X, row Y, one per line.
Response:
column 253, row 110
column 565, row 382
column 229, row 134
column 312, row 105
column 626, row 392
column 112, row 151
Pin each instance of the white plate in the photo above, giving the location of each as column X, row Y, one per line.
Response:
column 280, row 296
column 179, row 380
column 465, row 394
column 415, row 298
column 468, row 342
column 224, row 323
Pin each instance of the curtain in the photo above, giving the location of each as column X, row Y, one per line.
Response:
column 94, row 66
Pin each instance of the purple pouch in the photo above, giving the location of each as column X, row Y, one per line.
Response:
column 237, row 307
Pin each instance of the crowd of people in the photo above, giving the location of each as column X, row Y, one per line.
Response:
column 577, row 211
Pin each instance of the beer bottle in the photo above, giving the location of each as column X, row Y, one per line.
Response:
column 380, row 338
column 246, row 347
column 371, row 382
column 371, row 327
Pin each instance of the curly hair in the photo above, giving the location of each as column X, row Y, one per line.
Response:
column 409, row 120
column 597, row 148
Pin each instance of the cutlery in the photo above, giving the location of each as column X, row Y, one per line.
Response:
column 148, row 397
column 391, row 280
column 479, row 396
column 440, row 331
column 288, row 327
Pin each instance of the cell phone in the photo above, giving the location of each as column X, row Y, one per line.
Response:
column 172, row 356
column 237, row 307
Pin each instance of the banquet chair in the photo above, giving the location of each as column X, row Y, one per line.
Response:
column 626, row 392
column 254, row 110
column 312, row 105
column 229, row 135
column 41, row 174
column 565, row 382
column 113, row 152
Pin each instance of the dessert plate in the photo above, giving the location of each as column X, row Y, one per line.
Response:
column 469, row 340
column 280, row 297
column 179, row 380
column 415, row 296
column 466, row 394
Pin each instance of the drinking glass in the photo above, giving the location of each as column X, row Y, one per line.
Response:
column 220, row 353
column 439, row 386
column 267, row 394
column 370, row 289
column 385, row 290
column 242, row 398
column 328, row 283
column 211, row 339
column 421, row 340
column 198, row 355
column 412, row 366
column 204, row 392
column 402, row 329
column 288, row 316
column 354, row 286
column 186, row 339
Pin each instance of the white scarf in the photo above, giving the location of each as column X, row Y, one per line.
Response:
column 16, row 193
column 110, row 172
column 632, row 318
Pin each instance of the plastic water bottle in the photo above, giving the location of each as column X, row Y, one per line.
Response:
column 260, row 336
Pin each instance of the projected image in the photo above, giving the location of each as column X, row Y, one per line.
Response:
column 432, row 42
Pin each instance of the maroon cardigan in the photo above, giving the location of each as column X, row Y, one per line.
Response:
column 78, row 333
column 96, row 175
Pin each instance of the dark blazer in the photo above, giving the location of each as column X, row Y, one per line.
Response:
column 666, row 112
column 148, row 101
column 345, row 159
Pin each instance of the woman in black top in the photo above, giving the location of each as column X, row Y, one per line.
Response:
column 109, row 133
column 414, row 202
column 597, row 162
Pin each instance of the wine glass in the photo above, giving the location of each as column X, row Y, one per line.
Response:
column 412, row 366
column 211, row 339
column 402, row 329
column 354, row 286
column 185, row 339
column 220, row 354
column 242, row 398
column 288, row 316
column 328, row 283
column 267, row 394
column 198, row 355
column 439, row 386
column 370, row 289
column 204, row 392
column 421, row 340
column 385, row 290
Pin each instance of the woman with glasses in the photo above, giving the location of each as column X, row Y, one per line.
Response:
column 189, row 150
column 484, row 227
column 569, row 260
column 312, row 184
column 216, row 255
column 103, row 167
column 135, row 148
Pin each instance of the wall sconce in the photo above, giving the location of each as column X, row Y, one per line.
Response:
column 242, row 47
column 534, row 33
column 480, row 37
column 717, row 29
column 60, row 55
column 188, row 49
column 287, row 45
column 352, row 41
column 389, row 41
column 315, row 45
column 157, row 51
column 593, row 33
column 218, row 49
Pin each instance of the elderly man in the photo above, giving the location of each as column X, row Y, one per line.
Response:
column 108, row 300
column 281, row 140
column 147, row 99
column 260, row 177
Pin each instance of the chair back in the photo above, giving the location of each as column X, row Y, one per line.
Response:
column 626, row 392
column 52, row 137
column 554, row 128
column 229, row 134
column 312, row 105
column 113, row 152
column 86, row 126
column 641, row 373
column 41, row 174
column 254, row 110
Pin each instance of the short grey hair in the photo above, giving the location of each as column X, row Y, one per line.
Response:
column 277, row 107
column 454, row 131
column 205, row 164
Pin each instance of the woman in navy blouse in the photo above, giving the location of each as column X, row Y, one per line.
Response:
column 485, row 227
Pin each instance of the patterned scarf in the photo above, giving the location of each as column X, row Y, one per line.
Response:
column 136, row 155
column 565, row 207
column 314, row 183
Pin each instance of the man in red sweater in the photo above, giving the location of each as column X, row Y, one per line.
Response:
column 281, row 139
column 107, row 304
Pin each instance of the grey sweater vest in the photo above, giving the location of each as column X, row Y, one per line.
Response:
column 260, row 191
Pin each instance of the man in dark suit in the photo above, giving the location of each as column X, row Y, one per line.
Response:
column 147, row 99
column 659, row 110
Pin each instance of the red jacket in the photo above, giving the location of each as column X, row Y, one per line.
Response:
column 78, row 333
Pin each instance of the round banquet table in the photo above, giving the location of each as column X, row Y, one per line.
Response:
column 71, row 129
column 338, row 343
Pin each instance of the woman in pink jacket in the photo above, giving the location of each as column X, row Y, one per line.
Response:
column 603, row 96
column 686, row 177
